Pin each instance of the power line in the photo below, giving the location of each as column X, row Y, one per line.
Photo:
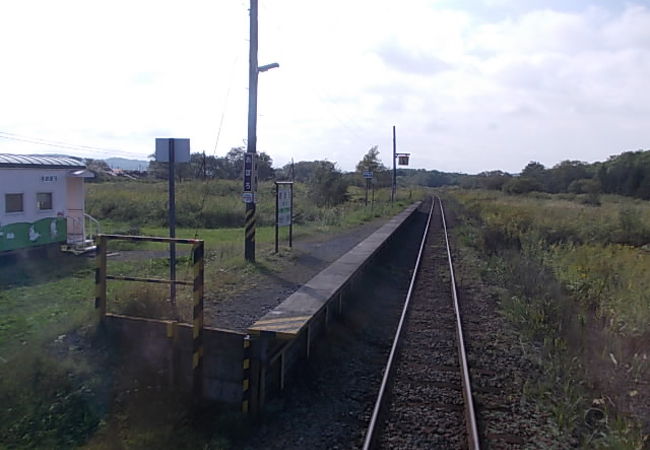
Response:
column 225, row 105
column 58, row 144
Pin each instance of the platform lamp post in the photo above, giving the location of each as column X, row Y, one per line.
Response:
column 250, row 172
column 402, row 159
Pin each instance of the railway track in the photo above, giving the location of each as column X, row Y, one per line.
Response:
column 425, row 399
column 422, row 405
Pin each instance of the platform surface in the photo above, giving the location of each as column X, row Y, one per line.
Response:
column 291, row 316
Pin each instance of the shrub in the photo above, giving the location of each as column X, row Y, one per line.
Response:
column 327, row 186
column 521, row 185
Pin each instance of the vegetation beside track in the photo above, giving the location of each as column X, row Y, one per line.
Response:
column 574, row 280
column 54, row 385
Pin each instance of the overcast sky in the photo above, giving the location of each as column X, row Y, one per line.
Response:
column 471, row 85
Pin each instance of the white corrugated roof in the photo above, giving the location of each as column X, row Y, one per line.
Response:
column 8, row 160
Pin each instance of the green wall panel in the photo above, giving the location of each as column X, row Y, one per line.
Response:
column 22, row 235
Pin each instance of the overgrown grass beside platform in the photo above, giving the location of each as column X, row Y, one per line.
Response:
column 575, row 282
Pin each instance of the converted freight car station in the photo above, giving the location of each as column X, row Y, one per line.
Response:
column 41, row 201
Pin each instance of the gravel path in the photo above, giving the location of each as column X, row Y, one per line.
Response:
column 267, row 289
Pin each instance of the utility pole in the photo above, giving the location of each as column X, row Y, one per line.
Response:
column 394, row 190
column 251, row 144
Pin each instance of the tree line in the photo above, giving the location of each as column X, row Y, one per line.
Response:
column 625, row 174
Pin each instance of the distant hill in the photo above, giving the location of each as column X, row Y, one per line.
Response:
column 127, row 164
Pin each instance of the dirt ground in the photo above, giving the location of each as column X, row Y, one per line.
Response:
column 268, row 288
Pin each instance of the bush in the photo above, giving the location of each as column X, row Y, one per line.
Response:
column 522, row 185
column 584, row 186
column 327, row 186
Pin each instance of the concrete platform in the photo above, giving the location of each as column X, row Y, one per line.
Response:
column 283, row 337
column 292, row 317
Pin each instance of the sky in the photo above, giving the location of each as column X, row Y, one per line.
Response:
column 471, row 85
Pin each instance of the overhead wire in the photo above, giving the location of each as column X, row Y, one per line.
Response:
column 225, row 105
column 59, row 144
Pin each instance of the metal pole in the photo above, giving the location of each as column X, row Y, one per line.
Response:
column 394, row 190
column 172, row 228
column 249, row 239
column 367, row 189
column 277, row 214
column 372, row 205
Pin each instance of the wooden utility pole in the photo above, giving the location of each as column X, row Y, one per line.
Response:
column 251, row 144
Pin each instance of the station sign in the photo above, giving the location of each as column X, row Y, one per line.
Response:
column 367, row 175
column 284, row 205
column 249, row 172
column 403, row 159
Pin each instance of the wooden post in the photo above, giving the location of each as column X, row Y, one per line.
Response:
column 100, row 278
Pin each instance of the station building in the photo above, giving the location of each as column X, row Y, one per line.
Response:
column 42, row 202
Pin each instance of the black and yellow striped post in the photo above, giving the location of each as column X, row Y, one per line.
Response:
column 100, row 278
column 246, row 376
column 197, row 321
column 249, row 230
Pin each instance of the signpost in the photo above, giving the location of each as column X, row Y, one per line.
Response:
column 171, row 151
column 249, row 173
column 368, row 175
column 283, row 209
column 403, row 159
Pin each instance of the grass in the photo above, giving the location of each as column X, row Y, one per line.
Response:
column 574, row 282
column 41, row 298
column 48, row 399
column 599, row 253
column 55, row 390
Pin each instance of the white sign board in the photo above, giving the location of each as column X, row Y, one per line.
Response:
column 284, row 205
column 181, row 150
column 249, row 197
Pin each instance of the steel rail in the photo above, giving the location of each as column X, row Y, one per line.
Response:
column 370, row 433
column 470, row 415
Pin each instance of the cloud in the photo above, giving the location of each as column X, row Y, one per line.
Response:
column 562, row 80
column 409, row 60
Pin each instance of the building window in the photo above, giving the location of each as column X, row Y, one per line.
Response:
column 44, row 201
column 13, row 203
